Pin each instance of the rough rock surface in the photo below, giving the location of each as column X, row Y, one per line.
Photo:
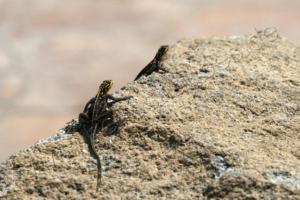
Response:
column 223, row 122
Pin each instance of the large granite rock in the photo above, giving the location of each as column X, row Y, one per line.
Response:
column 223, row 122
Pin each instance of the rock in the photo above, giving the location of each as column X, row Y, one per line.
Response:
column 222, row 122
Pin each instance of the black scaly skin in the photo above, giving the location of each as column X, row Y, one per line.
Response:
column 94, row 118
column 155, row 64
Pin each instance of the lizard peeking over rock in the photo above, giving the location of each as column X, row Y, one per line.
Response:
column 97, row 116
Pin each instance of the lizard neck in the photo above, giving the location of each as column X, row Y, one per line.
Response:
column 101, row 94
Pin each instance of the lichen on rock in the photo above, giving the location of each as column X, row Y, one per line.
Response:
column 222, row 122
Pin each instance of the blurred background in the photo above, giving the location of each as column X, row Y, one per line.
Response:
column 53, row 54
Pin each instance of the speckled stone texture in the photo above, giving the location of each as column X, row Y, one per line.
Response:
column 223, row 122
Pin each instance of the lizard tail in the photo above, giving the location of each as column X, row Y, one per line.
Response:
column 99, row 165
column 99, row 176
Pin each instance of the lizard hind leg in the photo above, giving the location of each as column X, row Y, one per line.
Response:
column 109, row 126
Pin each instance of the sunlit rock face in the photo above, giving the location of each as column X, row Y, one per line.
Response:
column 223, row 121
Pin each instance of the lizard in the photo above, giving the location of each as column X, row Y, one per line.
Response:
column 155, row 64
column 96, row 111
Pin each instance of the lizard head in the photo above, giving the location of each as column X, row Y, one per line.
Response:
column 105, row 86
column 161, row 52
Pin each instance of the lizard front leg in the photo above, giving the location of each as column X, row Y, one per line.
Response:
column 88, row 105
column 85, row 116
column 116, row 99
